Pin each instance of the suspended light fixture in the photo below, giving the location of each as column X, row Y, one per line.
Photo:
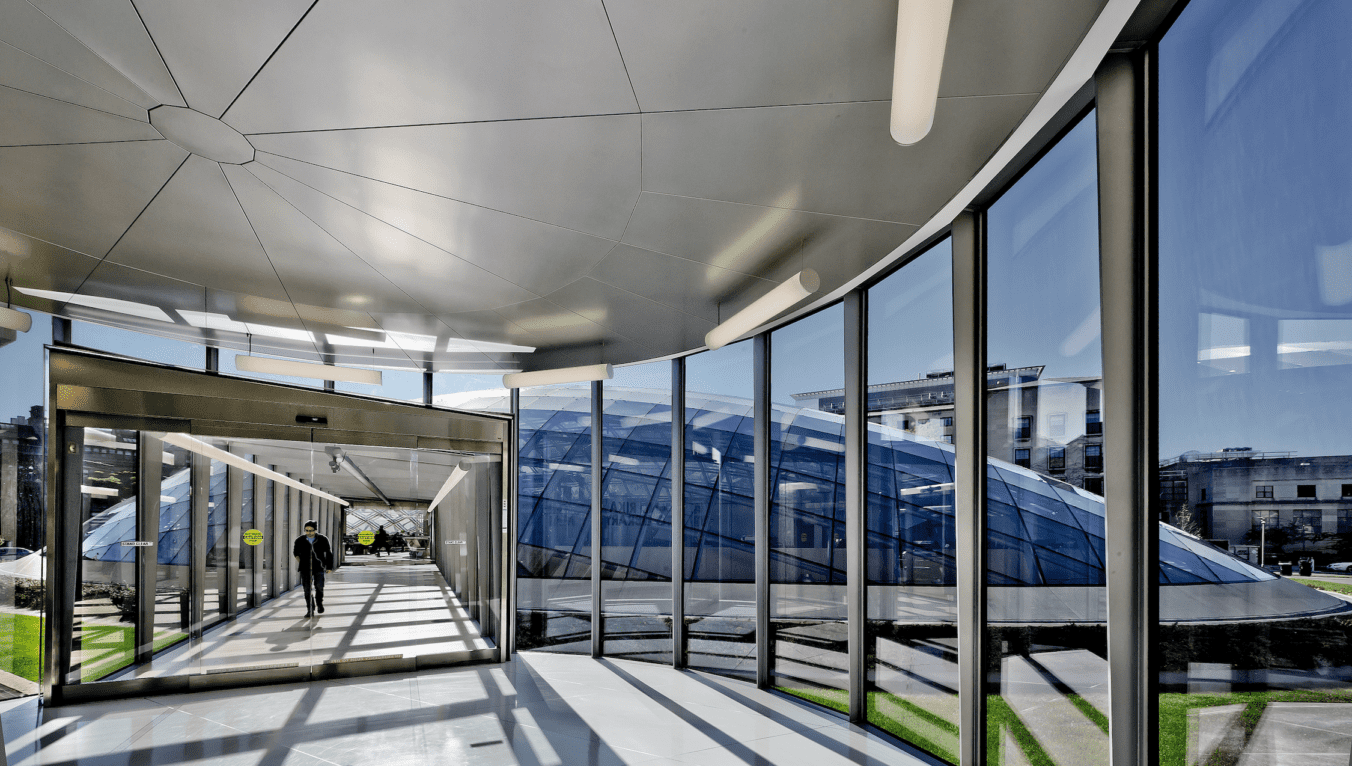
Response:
column 767, row 307
column 295, row 369
column 459, row 472
column 12, row 319
column 922, row 34
column 562, row 375
column 193, row 444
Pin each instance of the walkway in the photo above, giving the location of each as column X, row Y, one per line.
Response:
column 374, row 607
column 537, row 710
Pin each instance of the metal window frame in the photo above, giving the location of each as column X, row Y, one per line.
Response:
column 597, row 469
column 678, row 632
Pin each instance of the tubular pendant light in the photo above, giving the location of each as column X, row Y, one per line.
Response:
column 295, row 369
column 922, row 34
column 12, row 319
column 193, row 444
column 460, row 471
column 562, row 375
column 767, row 307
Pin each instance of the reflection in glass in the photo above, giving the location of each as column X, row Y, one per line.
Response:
column 173, row 554
column 808, row 638
column 1255, row 317
column 911, row 629
column 636, row 513
column 1048, row 683
column 214, row 595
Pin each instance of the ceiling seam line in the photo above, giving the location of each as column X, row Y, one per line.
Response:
column 368, row 265
column 271, row 264
column 77, row 77
column 623, row 64
column 267, row 60
column 82, row 106
column 411, row 234
column 95, row 54
column 430, row 194
column 87, row 143
column 772, row 207
column 160, row 53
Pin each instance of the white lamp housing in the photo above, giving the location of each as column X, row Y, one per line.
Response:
column 11, row 319
column 295, row 369
column 922, row 34
column 562, row 375
column 193, row 444
column 767, row 307
column 460, row 471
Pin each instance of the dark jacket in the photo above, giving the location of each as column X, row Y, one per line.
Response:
column 322, row 550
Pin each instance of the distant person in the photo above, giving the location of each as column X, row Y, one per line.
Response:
column 382, row 542
column 314, row 558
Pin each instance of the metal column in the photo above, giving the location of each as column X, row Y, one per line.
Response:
column 148, row 451
column 761, row 453
column 856, row 500
column 511, row 495
column 260, row 486
column 1128, row 302
column 234, row 533
column 969, row 411
column 200, row 476
column 64, row 503
column 598, row 439
column 281, row 557
column 678, row 512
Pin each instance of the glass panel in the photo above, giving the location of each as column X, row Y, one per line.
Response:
column 554, row 512
column 23, row 467
column 140, row 345
column 720, row 590
column 103, row 640
column 174, row 552
column 911, row 629
column 1255, row 362
column 214, row 595
column 636, row 513
column 1048, row 684
column 246, row 551
column 807, row 524
column 265, row 550
column 471, row 392
column 404, row 385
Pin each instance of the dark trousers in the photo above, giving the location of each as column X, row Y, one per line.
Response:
column 317, row 597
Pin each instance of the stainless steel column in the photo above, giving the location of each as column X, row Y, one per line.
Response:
column 200, row 476
column 281, row 555
column 149, row 451
column 969, row 415
column 761, row 456
column 1128, row 302
column 511, row 459
column 256, row 590
column 598, row 439
column 65, row 466
column 293, row 525
column 678, row 512
column 234, row 533
column 856, row 498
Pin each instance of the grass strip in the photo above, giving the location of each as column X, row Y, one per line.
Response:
column 1174, row 709
column 1335, row 587
column 1000, row 717
column 881, row 707
column 21, row 647
column 1092, row 713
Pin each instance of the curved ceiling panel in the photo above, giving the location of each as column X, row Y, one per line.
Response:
column 314, row 267
column 214, row 49
column 28, row 29
column 113, row 30
column 1011, row 47
column 434, row 278
column 355, row 63
column 196, row 231
column 22, row 71
column 29, row 120
column 61, row 193
column 578, row 173
column 679, row 55
column 536, row 256
column 39, row 265
column 839, row 157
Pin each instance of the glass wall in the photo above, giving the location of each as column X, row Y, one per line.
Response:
column 140, row 345
column 215, row 595
column 808, row 639
column 23, row 439
column 1255, row 365
column 636, row 513
column 173, row 582
column 911, row 629
column 1048, row 680
column 554, row 520
column 720, row 516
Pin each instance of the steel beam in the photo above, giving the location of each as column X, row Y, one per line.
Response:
column 678, row 659
column 597, row 442
column 856, row 500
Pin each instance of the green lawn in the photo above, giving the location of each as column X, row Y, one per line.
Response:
column 19, row 647
column 112, row 647
column 1336, row 587
column 1174, row 710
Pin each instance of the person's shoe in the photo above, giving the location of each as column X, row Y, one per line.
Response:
column 309, row 614
column 321, row 608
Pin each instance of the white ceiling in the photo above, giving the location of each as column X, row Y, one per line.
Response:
column 602, row 181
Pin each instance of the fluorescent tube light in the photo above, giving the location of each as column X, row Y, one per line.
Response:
column 562, row 375
column 295, row 369
column 114, row 305
column 767, row 307
column 460, row 471
column 193, row 444
column 486, row 346
column 11, row 319
column 922, row 35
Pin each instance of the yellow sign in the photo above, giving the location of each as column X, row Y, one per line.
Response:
column 366, row 537
column 253, row 536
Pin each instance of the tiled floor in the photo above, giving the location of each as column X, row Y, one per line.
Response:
column 537, row 710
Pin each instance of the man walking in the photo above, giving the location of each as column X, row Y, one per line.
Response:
column 314, row 557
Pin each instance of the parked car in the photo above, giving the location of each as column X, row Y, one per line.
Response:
column 1341, row 566
column 13, row 553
